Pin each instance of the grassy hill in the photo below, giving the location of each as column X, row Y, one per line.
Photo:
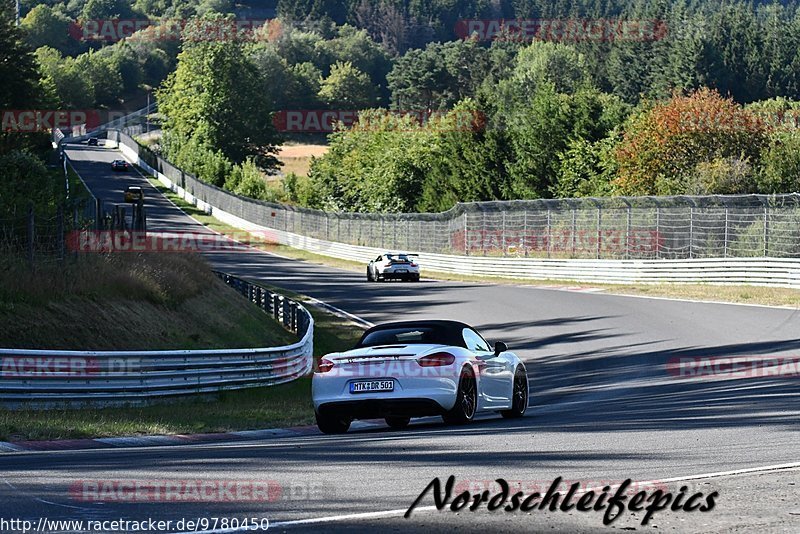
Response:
column 127, row 302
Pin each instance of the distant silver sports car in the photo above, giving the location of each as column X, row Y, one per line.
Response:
column 418, row 368
column 394, row 265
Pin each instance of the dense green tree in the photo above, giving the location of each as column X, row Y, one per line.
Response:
column 102, row 73
column 470, row 162
column 214, row 98
column 347, row 88
column 378, row 165
column 438, row 76
column 106, row 9
column 18, row 70
column 45, row 26
column 74, row 89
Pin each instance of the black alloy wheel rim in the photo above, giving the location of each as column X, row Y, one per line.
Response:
column 468, row 396
column 520, row 393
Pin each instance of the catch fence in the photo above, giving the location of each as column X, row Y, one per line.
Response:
column 676, row 227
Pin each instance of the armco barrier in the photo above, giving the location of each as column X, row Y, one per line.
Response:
column 54, row 377
column 782, row 272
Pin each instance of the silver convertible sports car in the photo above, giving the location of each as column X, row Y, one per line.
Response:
column 418, row 368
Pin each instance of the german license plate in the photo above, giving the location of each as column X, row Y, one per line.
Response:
column 372, row 385
column 401, row 271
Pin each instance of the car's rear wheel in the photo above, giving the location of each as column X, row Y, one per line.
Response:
column 369, row 274
column 332, row 425
column 398, row 423
column 466, row 400
column 519, row 402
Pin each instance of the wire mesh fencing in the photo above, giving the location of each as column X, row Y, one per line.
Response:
column 39, row 237
column 677, row 227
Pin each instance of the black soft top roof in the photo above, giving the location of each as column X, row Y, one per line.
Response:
column 450, row 331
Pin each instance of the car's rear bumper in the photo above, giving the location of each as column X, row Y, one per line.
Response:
column 432, row 392
column 378, row 408
column 399, row 276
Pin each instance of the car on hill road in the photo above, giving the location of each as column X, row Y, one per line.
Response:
column 394, row 266
column 409, row 369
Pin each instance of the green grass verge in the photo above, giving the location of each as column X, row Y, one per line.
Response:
column 127, row 301
column 268, row 407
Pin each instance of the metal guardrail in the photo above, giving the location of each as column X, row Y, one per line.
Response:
column 81, row 133
column 54, row 377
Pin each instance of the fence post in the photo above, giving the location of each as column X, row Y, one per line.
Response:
column 599, row 231
column 31, row 221
column 483, row 233
column 60, row 232
column 658, row 232
column 628, row 233
column 98, row 214
column 503, row 234
column 691, row 232
column 574, row 229
column 466, row 235
column 766, row 229
column 725, row 242
column 525, row 231
column 549, row 231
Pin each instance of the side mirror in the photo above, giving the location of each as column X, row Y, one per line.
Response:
column 499, row 348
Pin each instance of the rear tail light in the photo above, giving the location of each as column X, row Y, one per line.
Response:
column 413, row 264
column 325, row 365
column 437, row 359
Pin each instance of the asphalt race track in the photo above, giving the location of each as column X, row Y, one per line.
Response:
column 603, row 409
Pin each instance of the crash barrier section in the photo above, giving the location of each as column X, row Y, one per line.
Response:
column 479, row 250
column 56, row 378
